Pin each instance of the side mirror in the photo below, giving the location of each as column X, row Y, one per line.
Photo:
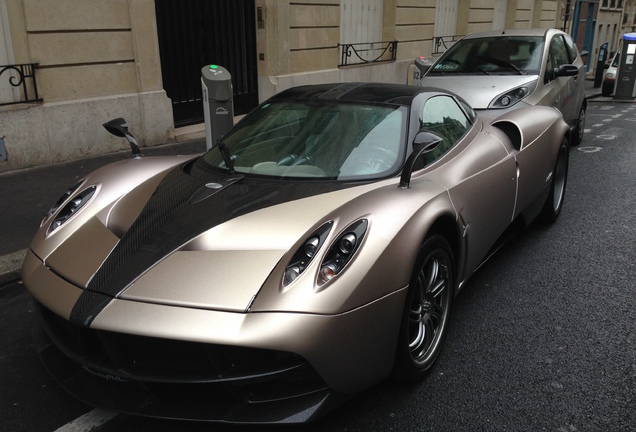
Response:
column 424, row 142
column 566, row 70
column 119, row 127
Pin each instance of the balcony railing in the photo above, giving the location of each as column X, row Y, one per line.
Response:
column 442, row 43
column 22, row 76
column 370, row 52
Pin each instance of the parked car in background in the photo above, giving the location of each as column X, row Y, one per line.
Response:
column 509, row 69
column 314, row 251
column 609, row 80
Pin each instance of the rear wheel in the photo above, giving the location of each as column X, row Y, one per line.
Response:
column 554, row 203
column 426, row 311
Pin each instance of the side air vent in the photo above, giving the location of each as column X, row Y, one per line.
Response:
column 512, row 131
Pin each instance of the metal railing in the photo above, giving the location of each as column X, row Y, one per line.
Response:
column 443, row 41
column 22, row 76
column 370, row 52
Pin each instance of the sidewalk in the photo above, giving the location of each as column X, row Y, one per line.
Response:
column 26, row 195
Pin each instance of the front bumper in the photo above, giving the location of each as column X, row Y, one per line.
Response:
column 179, row 362
column 175, row 379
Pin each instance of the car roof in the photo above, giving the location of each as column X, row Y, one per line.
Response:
column 400, row 94
column 512, row 32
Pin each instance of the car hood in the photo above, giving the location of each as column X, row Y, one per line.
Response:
column 478, row 90
column 186, row 237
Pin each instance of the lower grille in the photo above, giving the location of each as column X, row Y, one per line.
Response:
column 179, row 379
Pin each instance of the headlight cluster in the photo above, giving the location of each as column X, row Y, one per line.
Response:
column 62, row 199
column 70, row 206
column 305, row 254
column 341, row 251
column 511, row 97
column 336, row 258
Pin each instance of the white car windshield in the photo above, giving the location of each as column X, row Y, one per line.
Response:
column 316, row 139
column 510, row 55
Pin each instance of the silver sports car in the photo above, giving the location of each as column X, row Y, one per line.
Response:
column 508, row 69
column 314, row 251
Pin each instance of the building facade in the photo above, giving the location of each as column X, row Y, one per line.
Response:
column 100, row 59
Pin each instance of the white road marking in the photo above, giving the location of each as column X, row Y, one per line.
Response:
column 589, row 149
column 88, row 421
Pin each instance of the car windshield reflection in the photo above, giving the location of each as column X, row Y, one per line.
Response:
column 316, row 140
column 510, row 55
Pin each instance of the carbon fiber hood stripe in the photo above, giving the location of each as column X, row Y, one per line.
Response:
column 171, row 218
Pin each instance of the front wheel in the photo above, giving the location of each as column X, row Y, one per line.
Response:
column 426, row 311
column 554, row 203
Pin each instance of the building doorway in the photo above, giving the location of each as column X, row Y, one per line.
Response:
column 196, row 33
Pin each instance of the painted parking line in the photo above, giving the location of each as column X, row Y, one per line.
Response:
column 88, row 422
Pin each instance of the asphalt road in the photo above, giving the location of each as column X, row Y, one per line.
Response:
column 542, row 338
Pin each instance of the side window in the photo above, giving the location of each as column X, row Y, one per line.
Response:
column 557, row 56
column 444, row 117
column 571, row 47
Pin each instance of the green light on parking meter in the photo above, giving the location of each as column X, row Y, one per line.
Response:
column 214, row 67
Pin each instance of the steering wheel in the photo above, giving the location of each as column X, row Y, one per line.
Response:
column 385, row 158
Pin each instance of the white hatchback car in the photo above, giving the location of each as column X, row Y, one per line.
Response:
column 509, row 69
column 609, row 80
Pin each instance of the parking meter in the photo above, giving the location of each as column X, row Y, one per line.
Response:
column 626, row 75
column 218, row 106
column 600, row 65
column 422, row 65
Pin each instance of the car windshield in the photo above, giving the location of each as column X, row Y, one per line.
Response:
column 316, row 139
column 510, row 55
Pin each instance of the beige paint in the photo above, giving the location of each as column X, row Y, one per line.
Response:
column 60, row 15
column 88, row 47
column 97, row 60
column 103, row 57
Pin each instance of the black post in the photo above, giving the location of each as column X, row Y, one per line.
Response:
column 600, row 65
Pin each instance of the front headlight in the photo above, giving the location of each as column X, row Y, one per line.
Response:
column 341, row 251
column 306, row 253
column 70, row 206
column 511, row 97
column 62, row 200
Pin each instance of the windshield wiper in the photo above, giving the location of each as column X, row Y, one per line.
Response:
column 504, row 64
column 225, row 152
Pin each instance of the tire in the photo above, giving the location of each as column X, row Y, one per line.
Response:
column 554, row 203
column 426, row 310
column 577, row 133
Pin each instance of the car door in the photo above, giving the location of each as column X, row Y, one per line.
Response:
column 561, row 89
column 534, row 168
column 480, row 175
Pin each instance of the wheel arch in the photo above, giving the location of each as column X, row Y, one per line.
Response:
column 446, row 226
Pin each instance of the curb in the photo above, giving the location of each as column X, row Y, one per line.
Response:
column 10, row 266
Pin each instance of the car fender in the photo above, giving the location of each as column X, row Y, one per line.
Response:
column 112, row 181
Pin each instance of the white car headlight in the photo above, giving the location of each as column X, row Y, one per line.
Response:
column 511, row 97
column 72, row 206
